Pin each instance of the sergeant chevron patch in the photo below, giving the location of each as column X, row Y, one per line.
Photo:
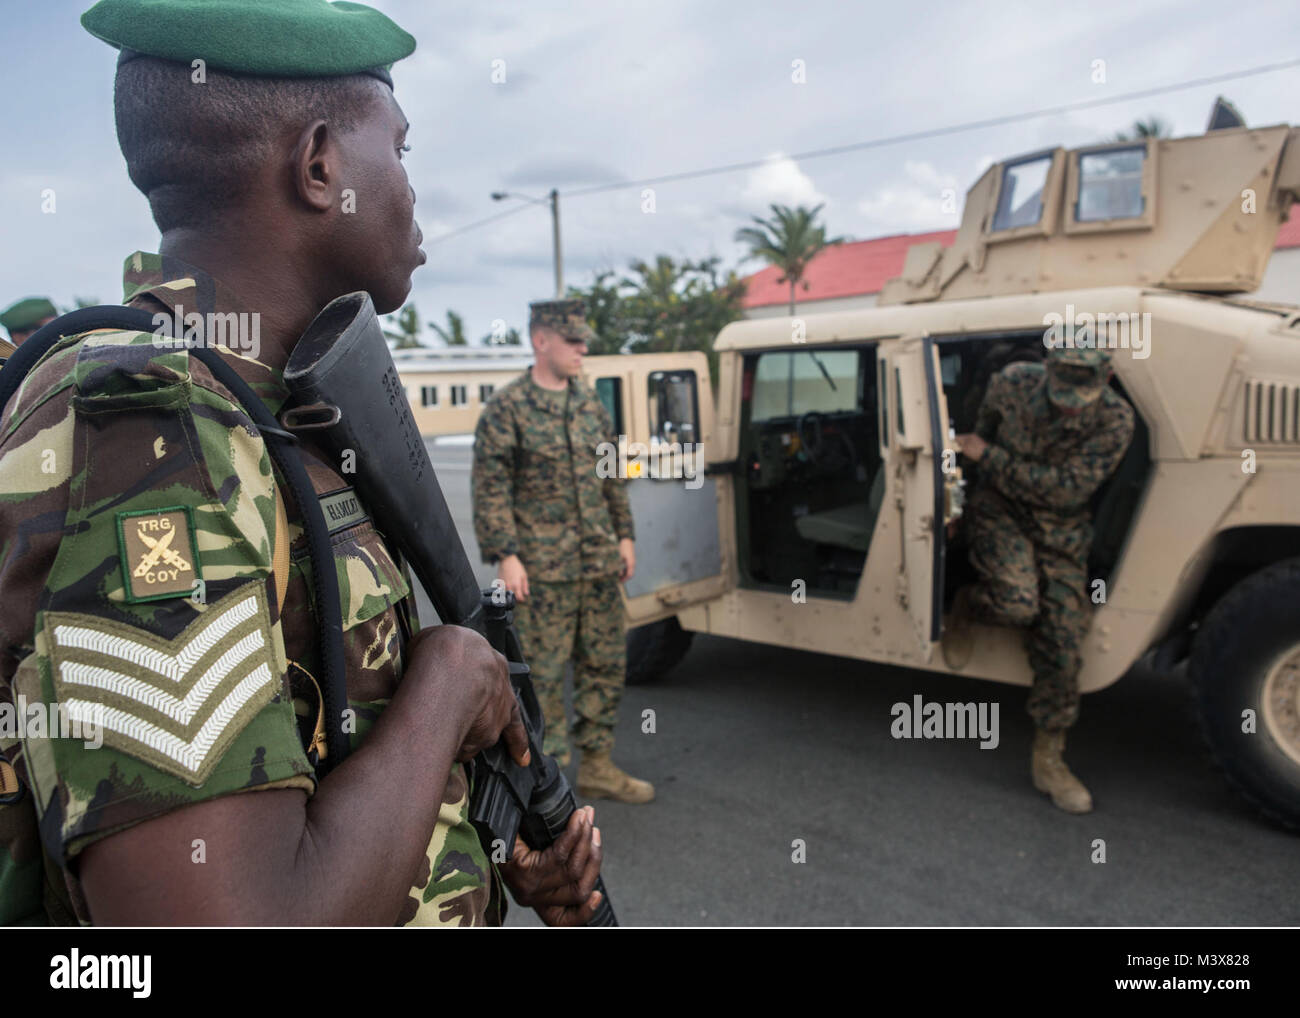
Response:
column 174, row 704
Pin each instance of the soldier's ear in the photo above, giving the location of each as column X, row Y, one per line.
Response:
column 314, row 166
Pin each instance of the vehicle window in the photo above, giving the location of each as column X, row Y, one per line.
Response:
column 610, row 391
column 674, row 407
column 1020, row 199
column 1110, row 184
column 950, row 369
column 795, row 383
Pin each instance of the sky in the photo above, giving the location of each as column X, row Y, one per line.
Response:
column 529, row 97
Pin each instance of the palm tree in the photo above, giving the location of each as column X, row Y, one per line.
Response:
column 790, row 240
column 1152, row 127
column 407, row 333
column 454, row 333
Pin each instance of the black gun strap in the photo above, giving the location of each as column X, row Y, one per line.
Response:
column 329, row 612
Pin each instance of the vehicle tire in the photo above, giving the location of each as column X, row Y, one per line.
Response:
column 1246, row 656
column 653, row 649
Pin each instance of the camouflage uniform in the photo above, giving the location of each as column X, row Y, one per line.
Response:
column 1029, row 527
column 113, row 434
column 537, row 494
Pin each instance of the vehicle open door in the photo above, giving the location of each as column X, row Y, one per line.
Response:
column 931, row 496
column 662, row 409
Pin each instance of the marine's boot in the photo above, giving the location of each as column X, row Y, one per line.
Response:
column 1052, row 776
column 959, row 631
column 599, row 778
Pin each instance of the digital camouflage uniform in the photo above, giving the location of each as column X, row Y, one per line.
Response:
column 1029, row 526
column 115, row 438
column 537, row 494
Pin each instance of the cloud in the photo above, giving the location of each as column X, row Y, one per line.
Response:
column 779, row 181
column 554, row 171
column 925, row 199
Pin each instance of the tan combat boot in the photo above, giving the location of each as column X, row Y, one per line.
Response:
column 600, row 778
column 1052, row 776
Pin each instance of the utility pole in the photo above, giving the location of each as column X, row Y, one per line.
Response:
column 555, row 236
column 553, row 200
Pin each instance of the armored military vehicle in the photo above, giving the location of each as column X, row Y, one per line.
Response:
column 813, row 504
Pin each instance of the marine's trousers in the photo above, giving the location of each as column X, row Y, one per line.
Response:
column 580, row 621
column 1039, row 588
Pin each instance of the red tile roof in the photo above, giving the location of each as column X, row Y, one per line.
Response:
column 863, row 267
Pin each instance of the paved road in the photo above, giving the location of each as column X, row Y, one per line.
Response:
column 756, row 747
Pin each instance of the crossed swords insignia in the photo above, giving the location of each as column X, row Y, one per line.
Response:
column 159, row 549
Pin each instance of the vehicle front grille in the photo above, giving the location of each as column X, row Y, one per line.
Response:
column 1272, row 412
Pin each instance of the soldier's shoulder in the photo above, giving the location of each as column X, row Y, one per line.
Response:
column 513, row 393
column 1023, row 373
column 1015, row 382
column 105, row 362
column 1116, row 409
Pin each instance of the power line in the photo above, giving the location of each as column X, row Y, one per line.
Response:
column 936, row 132
column 475, row 225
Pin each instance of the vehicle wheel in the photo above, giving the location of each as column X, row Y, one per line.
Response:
column 1246, row 656
column 655, row 648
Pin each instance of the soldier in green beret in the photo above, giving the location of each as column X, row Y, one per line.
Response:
column 1046, row 438
column 23, row 318
column 177, row 627
column 561, row 538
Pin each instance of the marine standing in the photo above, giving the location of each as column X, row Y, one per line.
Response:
column 154, row 566
column 561, row 537
column 1047, row 436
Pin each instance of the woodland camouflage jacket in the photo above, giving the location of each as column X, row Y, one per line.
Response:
column 143, row 544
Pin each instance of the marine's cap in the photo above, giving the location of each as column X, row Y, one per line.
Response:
column 1076, row 376
column 568, row 317
column 269, row 38
column 27, row 314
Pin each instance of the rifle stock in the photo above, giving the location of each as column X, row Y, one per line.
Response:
column 336, row 369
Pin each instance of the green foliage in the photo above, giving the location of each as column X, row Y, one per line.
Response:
column 454, row 333
column 405, row 333
column 661, row 306
column 1152, row 127
column 789, row 239
column 510, row 338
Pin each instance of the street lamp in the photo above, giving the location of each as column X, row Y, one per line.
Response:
column 553, row 200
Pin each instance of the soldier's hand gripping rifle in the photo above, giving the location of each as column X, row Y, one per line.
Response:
column 347, row 387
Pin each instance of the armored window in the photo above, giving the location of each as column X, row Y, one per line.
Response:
column 610, row 391
column 1110, row 184
column 795, row 383
column 674, row 407
column 1020, row 198
column 428, row 395
column 458, row 396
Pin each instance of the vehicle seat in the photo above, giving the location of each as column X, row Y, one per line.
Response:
column 845, row 526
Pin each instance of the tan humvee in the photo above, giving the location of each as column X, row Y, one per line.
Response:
column 820, row 520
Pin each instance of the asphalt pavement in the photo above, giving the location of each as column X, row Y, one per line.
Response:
column 783, row 798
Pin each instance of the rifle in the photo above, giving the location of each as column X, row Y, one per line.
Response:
column 335, row 372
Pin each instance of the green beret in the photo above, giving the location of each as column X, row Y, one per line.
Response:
column 269, row 38
column 27, row 314
column 567, row 316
